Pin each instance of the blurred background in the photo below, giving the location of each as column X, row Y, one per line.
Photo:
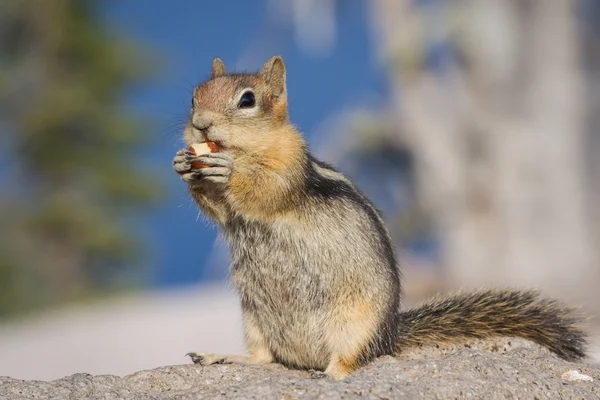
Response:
column 473, row 125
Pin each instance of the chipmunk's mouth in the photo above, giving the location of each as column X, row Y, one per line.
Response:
column 210, row 133
column 214, row 137
column 220, row 145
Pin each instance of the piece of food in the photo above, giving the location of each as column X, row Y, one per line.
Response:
column 202, row 148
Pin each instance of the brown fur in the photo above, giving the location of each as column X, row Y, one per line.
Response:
column 273, row 168
column 311, row 258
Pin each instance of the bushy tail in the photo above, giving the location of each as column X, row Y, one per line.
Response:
column 494, row 313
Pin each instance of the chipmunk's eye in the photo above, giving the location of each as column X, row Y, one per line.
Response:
column 247, row 100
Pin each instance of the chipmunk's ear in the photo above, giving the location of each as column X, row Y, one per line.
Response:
column 274, row 74
column 218, row 68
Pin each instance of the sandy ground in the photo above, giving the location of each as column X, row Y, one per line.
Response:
column 122, row 336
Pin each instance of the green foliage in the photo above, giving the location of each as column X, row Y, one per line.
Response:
column 76, row 174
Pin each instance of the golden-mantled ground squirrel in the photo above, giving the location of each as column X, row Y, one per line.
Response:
column 312, row 260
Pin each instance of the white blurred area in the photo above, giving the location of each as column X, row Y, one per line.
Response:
column 122, row 336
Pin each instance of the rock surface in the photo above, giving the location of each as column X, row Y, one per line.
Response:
column 505, row 369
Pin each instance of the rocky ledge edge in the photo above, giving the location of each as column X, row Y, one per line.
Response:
column 507, row 368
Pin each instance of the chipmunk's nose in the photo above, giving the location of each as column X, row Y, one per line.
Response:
column 202, row 121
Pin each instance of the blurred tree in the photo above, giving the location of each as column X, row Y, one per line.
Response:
column 489, row 95
column 74, row 180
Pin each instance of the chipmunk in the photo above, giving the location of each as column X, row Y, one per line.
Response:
column 312, row 260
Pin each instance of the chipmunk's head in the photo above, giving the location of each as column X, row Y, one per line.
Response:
column 240, row 112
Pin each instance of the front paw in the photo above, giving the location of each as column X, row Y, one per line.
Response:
column 181, row 163
column 217, row 168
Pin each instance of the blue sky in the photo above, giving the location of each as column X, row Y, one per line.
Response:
column 187, row 35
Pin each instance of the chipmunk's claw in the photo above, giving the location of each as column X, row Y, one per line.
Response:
column 197, row 358
column 206, row 359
